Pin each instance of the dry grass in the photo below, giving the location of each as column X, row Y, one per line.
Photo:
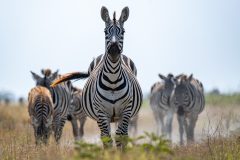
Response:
column 17, row 140
column 214, row 127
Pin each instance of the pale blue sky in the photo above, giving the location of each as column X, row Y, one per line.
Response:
column 178, row 36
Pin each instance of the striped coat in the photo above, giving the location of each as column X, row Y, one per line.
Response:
column 76, row 113
column 160, row 104
column 188, row 99
column 112, row 92
column 106, row 101
column 61, row 96
column 40, row 109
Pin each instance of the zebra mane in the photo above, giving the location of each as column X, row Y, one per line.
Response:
column 114, row 17
column 46, row 72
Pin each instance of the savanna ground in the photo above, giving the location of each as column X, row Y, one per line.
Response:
column 217, row 137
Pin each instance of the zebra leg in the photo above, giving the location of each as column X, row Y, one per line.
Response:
column 192, row 124
column 58, row 130
column 81, row 129
column 186, row 127
column 133, row 125
column 37, row 138
column 159, row 121
column 75, row 129
column 46, row 136
column 105, row 129
column 122, row 130
column 181, row 118
column 169, row 124
column 45, row 139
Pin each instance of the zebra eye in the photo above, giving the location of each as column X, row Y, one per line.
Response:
column 105, row 31
column 123, row 31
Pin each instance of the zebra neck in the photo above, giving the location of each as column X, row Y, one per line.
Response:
column 112, row 70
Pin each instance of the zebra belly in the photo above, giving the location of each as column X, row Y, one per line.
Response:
column 112, row 108
column 113, row 111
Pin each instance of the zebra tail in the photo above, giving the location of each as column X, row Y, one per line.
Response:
column 70, row 76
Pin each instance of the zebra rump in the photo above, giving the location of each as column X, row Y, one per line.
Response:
column 40, row 109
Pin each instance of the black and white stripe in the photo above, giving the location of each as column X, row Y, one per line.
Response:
column 188, row 99
column 61, row 96
column 40, row 109
column 76, row 113
column 112, row 92
column 160, row 104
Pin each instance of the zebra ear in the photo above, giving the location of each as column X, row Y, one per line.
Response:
column 35, row 76
column 42, row 71
column 190, row 77
column 105, row 15
column 54, row 75
column 162, row 76
column 124, row 15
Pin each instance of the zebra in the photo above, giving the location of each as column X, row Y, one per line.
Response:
column 188, row 99
column 61, row 96
column 76, row 113
column 160, row 104
column 112, row 92
column 40, row 109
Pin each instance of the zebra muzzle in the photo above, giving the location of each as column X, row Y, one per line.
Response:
column 180, row 111
column 114, row 48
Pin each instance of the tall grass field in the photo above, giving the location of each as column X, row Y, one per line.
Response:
column 217, row 136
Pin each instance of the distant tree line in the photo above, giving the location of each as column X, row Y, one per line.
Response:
column 6, row 98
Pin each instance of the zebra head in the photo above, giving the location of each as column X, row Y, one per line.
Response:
column 182, row 94
column 114, row 32
column 169, row 81
column 46, row 80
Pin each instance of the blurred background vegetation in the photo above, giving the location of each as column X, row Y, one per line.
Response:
column 213, row 98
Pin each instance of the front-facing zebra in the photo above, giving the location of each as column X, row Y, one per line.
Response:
column 112, row 92
column 160, row 103
column 188, row 99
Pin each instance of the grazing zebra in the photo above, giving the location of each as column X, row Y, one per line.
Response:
column 188, row 98
column 112, row 92
column 40, row 109
column 76, row 113
column 61, row 95
column 160, row 104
